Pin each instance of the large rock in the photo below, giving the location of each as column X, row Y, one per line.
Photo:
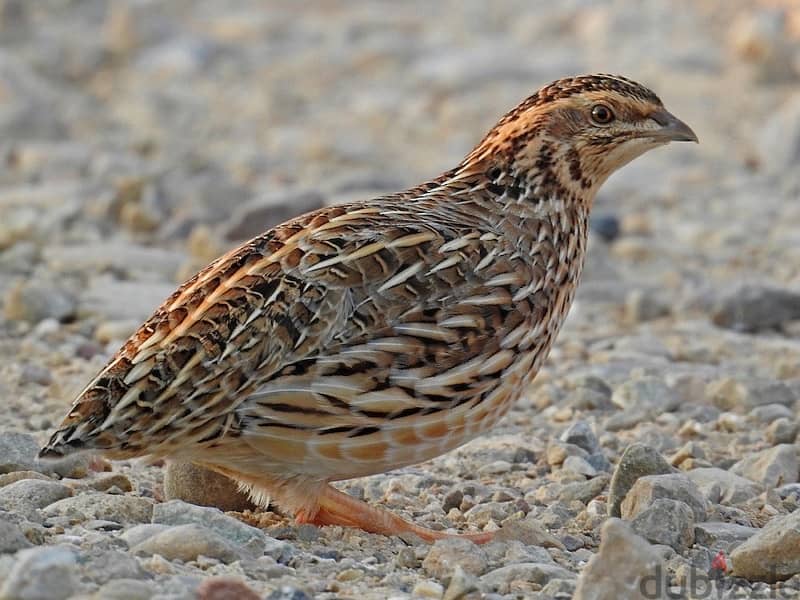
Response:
column 722, row 536
column 28, row 495
column 187, row 542
column 668, row 522
column 625, row 566
column 17, row 452
column 773, row 554
column 106, row 507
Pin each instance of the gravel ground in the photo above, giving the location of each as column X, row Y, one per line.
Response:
column 659, row 446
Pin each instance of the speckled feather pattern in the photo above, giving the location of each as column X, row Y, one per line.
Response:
column 372, row 335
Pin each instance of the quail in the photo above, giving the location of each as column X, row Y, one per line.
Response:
column 364, row 337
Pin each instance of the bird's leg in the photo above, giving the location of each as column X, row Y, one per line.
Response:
column 338, row 508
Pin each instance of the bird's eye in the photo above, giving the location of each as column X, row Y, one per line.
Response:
column 601, row 114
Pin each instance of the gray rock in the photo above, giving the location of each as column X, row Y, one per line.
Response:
column 584, row 491
column 138, row 533
column 126, row 589
column 767, row 413
column 528, row 531
column 28, row 495
column 579, row 465
column 673, row 486
column 250, row 540
column 255, row 217
column 752, row 307
column 42, row 573
column 636, row 461
column 102, row 566
column 724, row 487
column 747, row 394
column 625, row 566
column 203, row 487
column 580, row 434
column 187, row 542
column 12, row 538
column 645, row 305
column 122, row 300
column 772, row 554
column 106, row 507
column 461, row 584
column 772, row 467
column 722, row 536
column 782, row 431
column 17, row 452
column 117, row 256
column 500, row 580
column 646, row 393
column 668, row 522
column 448, row 553
column 35, row 300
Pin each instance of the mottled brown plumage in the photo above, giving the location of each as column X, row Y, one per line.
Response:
column 364, row 337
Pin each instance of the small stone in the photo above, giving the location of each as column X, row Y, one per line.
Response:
column 606, row 226
column 636, row 461
column 772, row 554
column 767, row 413
column 645, row 305
column 126, row 589
column 288, row 592
column 448, row 553
column 462, row 585
column 772, row 467
column 186, row 543
column 47, row 572
column 34, row 301
column 744, row 395
column 721, row 486
column 751, row 307
column 580, row 434
column 12, row 538
column 203, row 487
column 117, row 480
column 225, row 588
column 646, row 392
column 428, row 589
column 249, row 539
column 35, row 374
column 579, row 465
column 14, row 476
column 668, row 522
column 102, row 566
column 120, row 509
column 723, row 537
column 584, row 491
column 135, row 535
column 500, row 580
column 622, row 568
column 528, row 531
column 675, row 486
column 782, row 431
column 18, row 452
column 28, row 495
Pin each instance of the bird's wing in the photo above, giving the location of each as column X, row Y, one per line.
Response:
column 319, row 324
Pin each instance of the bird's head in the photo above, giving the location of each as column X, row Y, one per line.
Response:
column 575, row 132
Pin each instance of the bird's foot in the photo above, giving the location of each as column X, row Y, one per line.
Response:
column 338, row 508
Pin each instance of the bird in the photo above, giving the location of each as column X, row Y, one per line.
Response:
column 376, row 334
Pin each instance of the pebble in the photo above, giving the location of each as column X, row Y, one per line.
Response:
column 623, row 560
column 12, row 537
column 721, row 486
column 501, row 580
column 772, row 467
column 723, row 537
column 782, row 431
column 636, row 461
column 448, row 553
column 107, row 507
column 249, row 540
column 39, row 573
column 647, row 392
column 35, row 301
column 225, row 588
column 17, row 452
column 753, row 308
column 668, row 522
column 126, row 589
column 674, row 486
column 288, row 592
column 772, row 554
column 196, row 485
column 28, row 495
column 580, row 434
column 428, row 589
column 462, row 586
column 187, row 542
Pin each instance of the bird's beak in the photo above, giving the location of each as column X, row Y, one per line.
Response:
column 671, row 129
